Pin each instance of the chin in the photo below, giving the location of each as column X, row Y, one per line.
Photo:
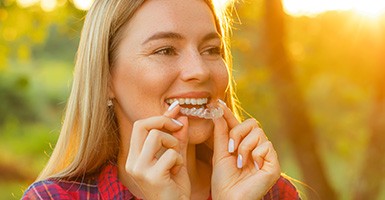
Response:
column 200, row 132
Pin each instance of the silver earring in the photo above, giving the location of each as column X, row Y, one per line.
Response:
column 109, row 103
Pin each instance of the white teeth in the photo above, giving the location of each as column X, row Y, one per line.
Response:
column 189, row 101
column 211, row 112
column 193, row 101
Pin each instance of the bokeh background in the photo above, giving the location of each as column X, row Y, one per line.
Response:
column 311, row 71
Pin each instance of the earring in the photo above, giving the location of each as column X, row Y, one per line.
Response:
column 109, row 103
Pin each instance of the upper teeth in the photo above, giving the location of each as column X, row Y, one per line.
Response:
column 187, row 101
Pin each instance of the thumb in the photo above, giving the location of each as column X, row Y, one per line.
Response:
column 221, row 139
column 182, row 136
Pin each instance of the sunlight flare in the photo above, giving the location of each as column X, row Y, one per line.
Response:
column 27, row 3
column 220, row 4
column 370, row 8
column 83, row 4
column 48, row 5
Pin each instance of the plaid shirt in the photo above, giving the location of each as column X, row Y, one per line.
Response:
column 107, row 186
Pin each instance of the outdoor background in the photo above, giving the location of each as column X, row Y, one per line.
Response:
column 312, row 72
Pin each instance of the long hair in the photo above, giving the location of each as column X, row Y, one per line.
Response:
column 89, row 136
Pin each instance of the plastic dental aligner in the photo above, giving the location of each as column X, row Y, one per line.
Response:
column 211, row 112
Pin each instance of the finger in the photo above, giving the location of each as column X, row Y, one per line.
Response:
column 221, row 127
column 142, row 127
column 267, row 169
column 248, row 144
column 155, row 142
column 169, row 160
column 228, row 115
column 266, row 157
column 241, row 131
column 221, row 138
column 182, row 136
column 173, row 110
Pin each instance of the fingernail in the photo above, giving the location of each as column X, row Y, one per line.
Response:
column 173, row 105
column 256, row 166
column 222, row 102
column 177, row 122
column 239, row 161
column 231, row 146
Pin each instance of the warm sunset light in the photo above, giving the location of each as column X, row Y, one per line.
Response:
column 48, row 5
column 26, row 3
column 220, row 3
column 83, row 4
column 369, row 8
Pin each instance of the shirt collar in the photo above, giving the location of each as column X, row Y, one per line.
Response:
column 109, row 185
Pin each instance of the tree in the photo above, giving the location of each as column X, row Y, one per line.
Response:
column 368, row 186
column 292, row 105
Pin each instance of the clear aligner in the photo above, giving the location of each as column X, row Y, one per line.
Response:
column 211, row 112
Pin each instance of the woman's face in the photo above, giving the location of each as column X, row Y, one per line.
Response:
column 171, row 50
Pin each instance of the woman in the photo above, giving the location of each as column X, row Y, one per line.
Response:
column 140, row 65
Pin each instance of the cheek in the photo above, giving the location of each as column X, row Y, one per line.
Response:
column 140, row 78
column 222, row 79
column 153, row 82
column 139, row 90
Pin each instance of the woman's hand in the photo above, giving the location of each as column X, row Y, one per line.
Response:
column 155, row 167
column 245, row 164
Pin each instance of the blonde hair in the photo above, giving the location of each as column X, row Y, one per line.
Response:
column 89, row 136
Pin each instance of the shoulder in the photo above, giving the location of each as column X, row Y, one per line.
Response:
column 47, row 189
column 283, row 189
column 59, row 189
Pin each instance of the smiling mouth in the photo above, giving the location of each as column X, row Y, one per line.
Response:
column 189, row 102
column 198, row 107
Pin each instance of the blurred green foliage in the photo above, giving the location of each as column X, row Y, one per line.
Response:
column 334, row 57
column 36, row 61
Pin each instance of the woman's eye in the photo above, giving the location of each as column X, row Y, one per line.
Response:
column 168, row 51
column 213, row 51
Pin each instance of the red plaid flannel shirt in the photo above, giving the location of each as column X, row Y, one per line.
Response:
column 107, row 186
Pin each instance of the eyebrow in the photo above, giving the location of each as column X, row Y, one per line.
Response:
column 211, row 36
column 163, row 35
column 173, row 35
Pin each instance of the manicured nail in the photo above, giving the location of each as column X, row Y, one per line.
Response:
column 222, row 102
column 231, row 146
column 177, row 122
column 239, row 161
column 173, row 105
column 256, row 166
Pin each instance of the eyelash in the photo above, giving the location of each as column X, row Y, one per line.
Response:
column 167, row 51
column 171, row 51
column 213, row 51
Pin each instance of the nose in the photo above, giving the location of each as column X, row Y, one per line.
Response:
column 193, row 68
